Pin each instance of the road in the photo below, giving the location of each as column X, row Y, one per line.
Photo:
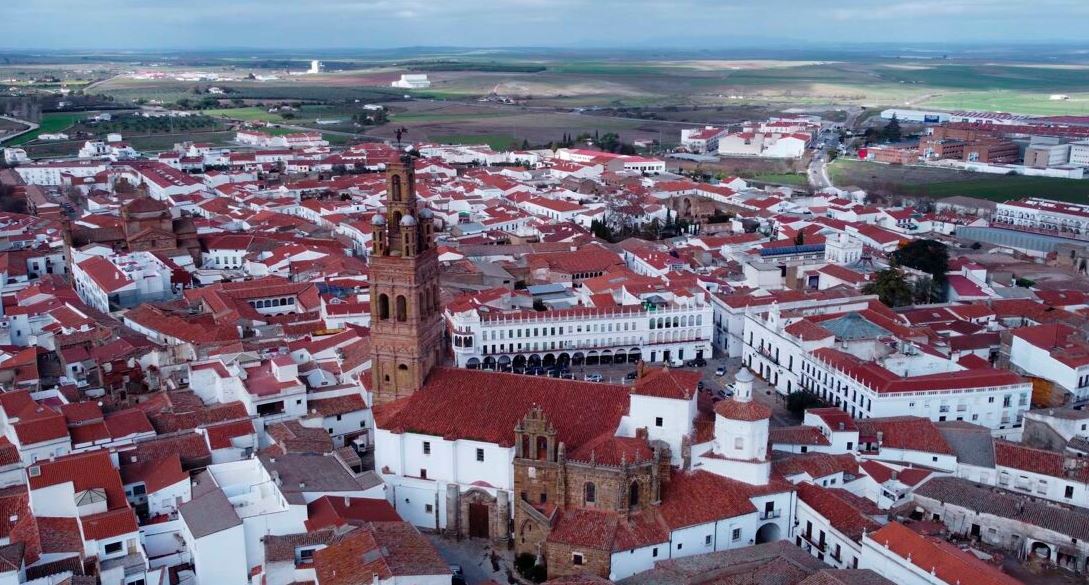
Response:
column 30, row 127
column 818, row 172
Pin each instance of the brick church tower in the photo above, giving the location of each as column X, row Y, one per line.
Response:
column 406, row 322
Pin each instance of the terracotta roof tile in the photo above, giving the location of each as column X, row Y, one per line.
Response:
column 947, row 562
column 486, row 406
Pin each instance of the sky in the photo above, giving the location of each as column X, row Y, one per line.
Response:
column 365, row 24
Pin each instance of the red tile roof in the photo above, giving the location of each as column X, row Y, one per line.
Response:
column 105, row 274
column 109, row 524
column 876, row 377
column 385, row 549
column 744, row 411
column 912, row 433
column 1044, row 462
column 797, row 435
column 947, row 562
column 667, row 383
column 612, row 450
column 699, row 497
column 881, row 473
column 816, row 465
column 486, row 406
column 840, row 512
column 90, row 470
column 220, row 434
column 156, row 474
column 331, row 511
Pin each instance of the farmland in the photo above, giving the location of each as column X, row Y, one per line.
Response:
column 50, row 123
column 938, row 183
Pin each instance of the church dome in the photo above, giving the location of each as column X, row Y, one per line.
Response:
column 426, row 213
column 408, row 221
column 744, row 375
column 378, row 219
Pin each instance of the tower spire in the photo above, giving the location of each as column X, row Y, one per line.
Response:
column 406, row 324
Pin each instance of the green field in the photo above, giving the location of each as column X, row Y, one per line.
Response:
column 50, row 123
column 496, row 141
column 1014, row 102
column 793, row 179
column 939, row 183
column 250, row 114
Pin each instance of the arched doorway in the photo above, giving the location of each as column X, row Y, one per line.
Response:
column 472, row 364
column 549, row 360
column 620, row 357
column 489, row 363
column 606, row 356
column 1041, row 550
column 564, row 360
column 534, row 361
column 591, row 358
column 577, row 359
column 519, row 362
column 767, row 533
column 634, row 355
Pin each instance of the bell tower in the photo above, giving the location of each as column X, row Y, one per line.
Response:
column 406, row 323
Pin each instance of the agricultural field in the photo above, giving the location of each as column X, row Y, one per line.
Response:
column 496, row 141
column 50, row 123
column 938, row 183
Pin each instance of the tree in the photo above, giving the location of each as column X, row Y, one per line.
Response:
column 891, row 288
column 801, row 400
column 930, row 256
column 923, row 290
column 892, row 132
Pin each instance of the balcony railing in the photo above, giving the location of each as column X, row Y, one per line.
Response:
column 770, row 514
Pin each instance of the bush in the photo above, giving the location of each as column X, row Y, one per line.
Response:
column 527, row 567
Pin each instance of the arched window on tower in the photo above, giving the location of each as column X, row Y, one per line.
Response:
column 395, row 188
column 590, row 495
column 402, row 308
column 542, row 448
column 633, row 494
column 383, row 307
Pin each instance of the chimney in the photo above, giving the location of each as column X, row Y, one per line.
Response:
column 642, row 433
column 880, row 438
column 840, row 425
column 895, row 474
column 347, row 501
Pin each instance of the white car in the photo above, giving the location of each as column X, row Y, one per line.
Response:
column 721, row 371
column 594, row 378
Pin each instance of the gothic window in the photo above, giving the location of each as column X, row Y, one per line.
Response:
column 633, row 494
column 402, row 308
column 383, row 306
column 591, row 492
column 395, row 191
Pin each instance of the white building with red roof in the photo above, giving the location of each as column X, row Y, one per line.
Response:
column 656, row 326
column 904, row 556
column 872, row 364
column 83, row 494
column 114, row 281
column 1055, row 352
column 701, row 140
